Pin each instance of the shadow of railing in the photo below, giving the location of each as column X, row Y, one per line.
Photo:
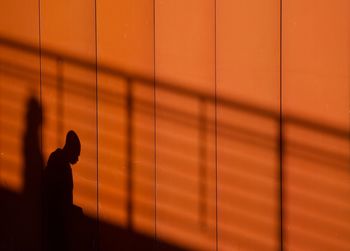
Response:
column 202, row 121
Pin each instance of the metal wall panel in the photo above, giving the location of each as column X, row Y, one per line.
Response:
column 20, row 126
column 194, row 110
column 316, row 53
column 185, row 143
column 69, row 95
column 126, row 124
column 248, row 99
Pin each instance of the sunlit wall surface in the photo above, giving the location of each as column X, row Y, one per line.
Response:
column 316, row 67
column 248, row 59
column 205, row 124
column 17, row 93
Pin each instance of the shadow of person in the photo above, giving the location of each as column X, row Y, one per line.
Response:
column 29, row 216
column 61, row 215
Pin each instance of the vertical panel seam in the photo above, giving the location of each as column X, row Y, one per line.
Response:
column 41, row 128
column 155, row 125
column 216, row 130
column 281, row 139
column 96, row 111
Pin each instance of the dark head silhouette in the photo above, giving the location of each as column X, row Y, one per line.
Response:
column 58, row 183
column 72, row 147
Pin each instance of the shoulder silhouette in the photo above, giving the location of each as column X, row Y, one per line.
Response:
column 58, row 181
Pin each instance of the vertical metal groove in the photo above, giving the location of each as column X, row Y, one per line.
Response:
column 216, row 131
column 281, row 136
column 155, row 125
column 96, row 118
column 41, row 129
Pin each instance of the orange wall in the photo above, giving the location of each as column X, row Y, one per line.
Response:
column 185, row 54
column 14, row 90
column 125, row 116
column 187, row 99
column 316, row 53
column 248, row 50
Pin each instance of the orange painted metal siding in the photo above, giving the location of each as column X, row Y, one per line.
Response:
column 187, row 111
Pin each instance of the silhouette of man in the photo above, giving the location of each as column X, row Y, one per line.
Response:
column 31, row 204
column 58, row 182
